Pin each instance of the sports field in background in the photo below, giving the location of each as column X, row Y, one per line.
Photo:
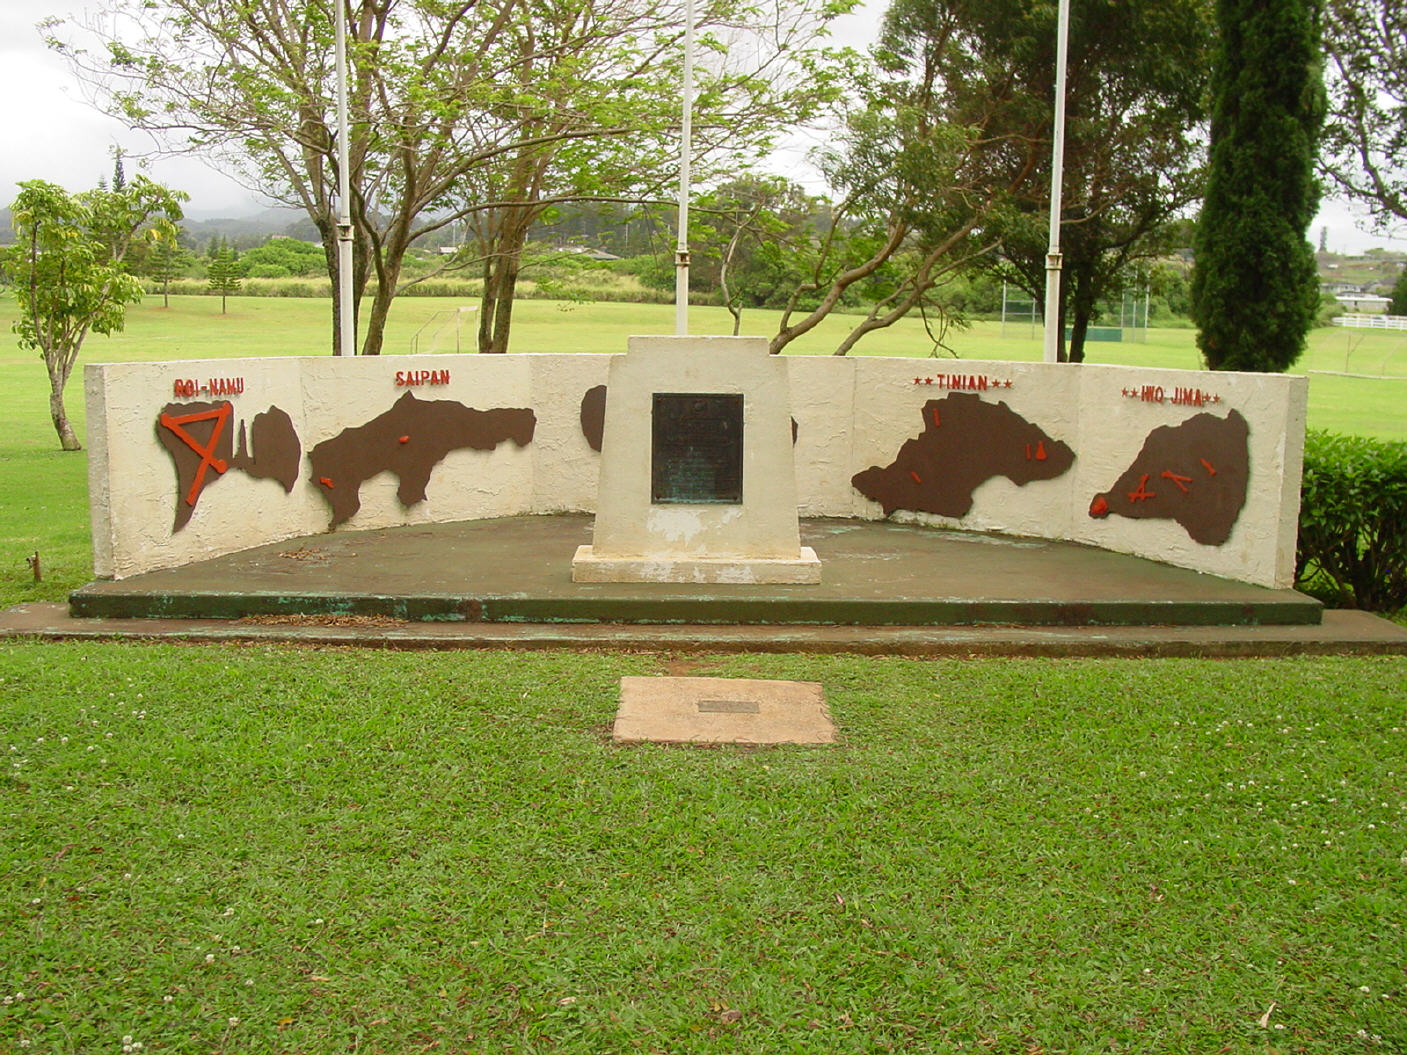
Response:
column 1373, row 401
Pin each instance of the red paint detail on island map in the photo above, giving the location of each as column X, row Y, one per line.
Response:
column 1207, row 503
column 1181, row 481
column 1141, row 492
column 1099, row 507
column 405, row 439
column 176, row 424
column 326, row 481
column 938, row 470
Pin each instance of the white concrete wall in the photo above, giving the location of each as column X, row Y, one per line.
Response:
column 851, row 413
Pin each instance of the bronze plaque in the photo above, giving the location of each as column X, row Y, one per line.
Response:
column 697, row 449
column 729, row 707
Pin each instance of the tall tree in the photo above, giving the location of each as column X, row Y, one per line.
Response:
column 67, row 269
column 1398, row 304
column 1255, row 288
column 1365, row 140
column 935, row 144
column 458, row 108
column 167, row 260
column 1135, row 91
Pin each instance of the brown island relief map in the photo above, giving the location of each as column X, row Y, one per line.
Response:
column 409, row 440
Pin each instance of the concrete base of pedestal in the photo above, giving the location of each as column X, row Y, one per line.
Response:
column 804, row 569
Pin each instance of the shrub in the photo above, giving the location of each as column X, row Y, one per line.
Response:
column 1353, row 521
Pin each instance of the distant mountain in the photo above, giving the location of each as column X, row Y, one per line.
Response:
column 248, row 231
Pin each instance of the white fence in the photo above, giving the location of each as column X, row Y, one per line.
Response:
column 1373, row 322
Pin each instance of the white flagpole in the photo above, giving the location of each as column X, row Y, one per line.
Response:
column 1053, row 336
column 346, row 322
column 681, row 249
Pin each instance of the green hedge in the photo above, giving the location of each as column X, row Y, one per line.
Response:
column 1353, row 522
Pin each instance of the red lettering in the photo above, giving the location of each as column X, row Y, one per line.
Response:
column 1152, row 394
column 225, row 386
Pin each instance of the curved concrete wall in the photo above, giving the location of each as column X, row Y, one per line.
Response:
column 1154, row 469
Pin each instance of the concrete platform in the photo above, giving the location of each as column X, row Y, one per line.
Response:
column 888, row 588
column 519, row 570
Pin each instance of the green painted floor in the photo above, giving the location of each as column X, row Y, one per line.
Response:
column 518, row 570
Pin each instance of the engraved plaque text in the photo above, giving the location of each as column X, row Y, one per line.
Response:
column 697, row 449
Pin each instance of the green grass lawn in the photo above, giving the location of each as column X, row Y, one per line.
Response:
column 267, row 850
column 250, row 849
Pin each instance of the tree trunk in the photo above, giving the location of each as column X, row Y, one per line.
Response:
column 501, row 282
column 68, row 439
column 734, row 309
column 381, row 307
column 1082, row 311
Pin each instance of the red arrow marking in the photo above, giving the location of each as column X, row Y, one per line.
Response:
column 1181, row 481
column 219, row 415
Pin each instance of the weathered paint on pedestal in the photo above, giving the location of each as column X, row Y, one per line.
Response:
column 638, row 539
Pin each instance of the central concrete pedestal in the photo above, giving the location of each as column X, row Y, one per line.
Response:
column 697, row 481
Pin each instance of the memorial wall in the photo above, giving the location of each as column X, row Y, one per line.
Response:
column 190, row 460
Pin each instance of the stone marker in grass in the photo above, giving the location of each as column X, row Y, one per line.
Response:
column 722, row 711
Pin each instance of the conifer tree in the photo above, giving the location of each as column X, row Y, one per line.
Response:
column 224, row 273
column 1398, row 306
column 1255, row 289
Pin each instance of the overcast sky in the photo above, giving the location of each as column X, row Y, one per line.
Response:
column 52, row 133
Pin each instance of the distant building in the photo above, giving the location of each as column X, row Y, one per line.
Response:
column 590, row 254
column 1363, row 302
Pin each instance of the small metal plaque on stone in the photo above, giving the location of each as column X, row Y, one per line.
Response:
column 721, row 711
column 729, row 707
column 697, row 448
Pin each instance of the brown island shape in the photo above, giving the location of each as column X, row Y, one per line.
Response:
column 409, row 440
column 1195, row 473
column 965, row 442
column 198, row 438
